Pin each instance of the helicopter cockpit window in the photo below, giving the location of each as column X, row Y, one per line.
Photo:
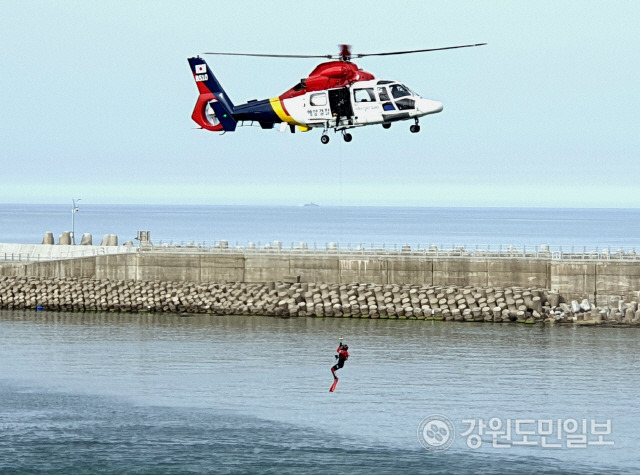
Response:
column 405, row 103
column 319, row 99
column 398, row 91
column 364, row 95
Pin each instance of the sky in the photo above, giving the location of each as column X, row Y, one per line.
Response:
column 96, row 101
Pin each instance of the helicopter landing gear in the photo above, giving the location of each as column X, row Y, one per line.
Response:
column 324, row 139
column 415, row 128
column 347, row 136
column 386, row 126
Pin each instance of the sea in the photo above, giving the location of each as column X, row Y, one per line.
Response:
column 319, row 225
column 113, row 393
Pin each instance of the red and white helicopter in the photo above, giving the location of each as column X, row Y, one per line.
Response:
column 337, row 95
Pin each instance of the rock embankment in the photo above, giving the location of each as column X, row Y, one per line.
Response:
column 450, row 303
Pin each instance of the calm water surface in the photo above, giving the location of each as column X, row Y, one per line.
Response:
column 116, row 393
column 611, row 228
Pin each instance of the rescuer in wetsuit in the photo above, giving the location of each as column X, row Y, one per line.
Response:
column 342, row 356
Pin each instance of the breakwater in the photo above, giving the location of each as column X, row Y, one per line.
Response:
column 282, row 299
column 598, row 278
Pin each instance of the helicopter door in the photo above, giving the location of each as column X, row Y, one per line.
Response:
column 340, row 103
column 366, row 108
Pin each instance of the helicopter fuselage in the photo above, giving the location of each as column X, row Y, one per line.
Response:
column 358, row 104
column 336, row 95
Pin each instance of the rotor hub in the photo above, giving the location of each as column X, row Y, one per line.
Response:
column 345, row 52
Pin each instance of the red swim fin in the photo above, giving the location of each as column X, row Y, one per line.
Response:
column 333, row 386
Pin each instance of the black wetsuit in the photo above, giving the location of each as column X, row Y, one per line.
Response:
column 343, row 355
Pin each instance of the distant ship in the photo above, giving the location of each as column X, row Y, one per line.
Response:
column 310, row 203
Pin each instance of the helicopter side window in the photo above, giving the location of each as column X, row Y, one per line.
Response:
column 382, row 92
column 364, row 95
column 398, row 91
column 318, row 99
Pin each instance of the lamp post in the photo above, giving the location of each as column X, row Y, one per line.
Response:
column 74, row 210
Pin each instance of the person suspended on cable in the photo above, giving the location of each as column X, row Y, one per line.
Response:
column 342, row 356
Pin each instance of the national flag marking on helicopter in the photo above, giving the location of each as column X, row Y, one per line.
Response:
column 201, row 73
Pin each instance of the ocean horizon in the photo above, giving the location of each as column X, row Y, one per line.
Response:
column 318, row 225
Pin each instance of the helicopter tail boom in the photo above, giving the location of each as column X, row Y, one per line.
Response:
column 214, row 110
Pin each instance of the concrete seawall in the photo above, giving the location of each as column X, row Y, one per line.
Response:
column 598, row 280
column 417, row 302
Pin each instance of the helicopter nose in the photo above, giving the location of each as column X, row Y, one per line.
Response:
column 427, row 106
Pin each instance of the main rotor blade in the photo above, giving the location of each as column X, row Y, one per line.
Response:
column 415, row 50
column 337, row 56
column 329, row 56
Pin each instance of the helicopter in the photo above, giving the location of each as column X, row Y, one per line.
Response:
column 336, row 95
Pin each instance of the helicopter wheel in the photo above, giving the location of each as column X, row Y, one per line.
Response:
column 414, row 129
column 347, row 137
column 386, row 126
column 324, row 139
